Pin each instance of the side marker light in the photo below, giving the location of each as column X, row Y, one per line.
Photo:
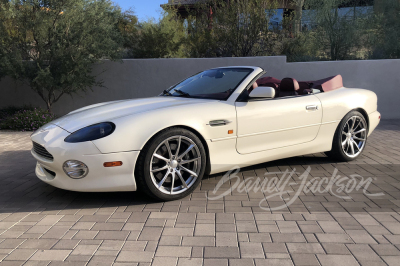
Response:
column 112, row 164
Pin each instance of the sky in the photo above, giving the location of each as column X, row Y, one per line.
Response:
column 143, row 8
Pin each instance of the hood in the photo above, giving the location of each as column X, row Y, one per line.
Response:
column 104, row 112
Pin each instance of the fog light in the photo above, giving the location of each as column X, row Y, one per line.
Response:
column 75, row 169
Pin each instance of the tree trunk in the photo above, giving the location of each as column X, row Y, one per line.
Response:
column 298, row 16
column 48, row 103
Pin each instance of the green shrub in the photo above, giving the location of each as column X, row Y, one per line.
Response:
column 26, row 119
column 301, row 48
column 10, row 110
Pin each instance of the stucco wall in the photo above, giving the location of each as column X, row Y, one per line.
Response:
column 139, row 78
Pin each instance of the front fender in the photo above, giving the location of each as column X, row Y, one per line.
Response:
column 133, row 132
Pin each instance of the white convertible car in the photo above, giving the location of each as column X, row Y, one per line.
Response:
column 209, row 123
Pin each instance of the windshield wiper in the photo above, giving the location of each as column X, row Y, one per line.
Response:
column 165, row 92
column 182, row 92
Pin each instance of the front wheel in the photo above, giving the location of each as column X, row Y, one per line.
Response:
column 171, row 165
column 350, row 137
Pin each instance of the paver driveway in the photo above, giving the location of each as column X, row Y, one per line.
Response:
column 41, row 225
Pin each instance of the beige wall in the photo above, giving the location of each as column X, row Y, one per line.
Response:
column 137, row 78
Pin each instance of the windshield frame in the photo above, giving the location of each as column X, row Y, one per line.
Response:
column 251, row 70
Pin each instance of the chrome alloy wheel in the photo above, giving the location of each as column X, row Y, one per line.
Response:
column 175, row 165
column 354, row 136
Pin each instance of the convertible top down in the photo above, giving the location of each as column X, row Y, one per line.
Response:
column 305, row 87
column 214, row 121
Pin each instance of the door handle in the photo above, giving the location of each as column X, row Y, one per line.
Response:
column 222, row 122
column 311, row 107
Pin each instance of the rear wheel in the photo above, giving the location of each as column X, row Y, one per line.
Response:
column 350, row 137
column 171, row 165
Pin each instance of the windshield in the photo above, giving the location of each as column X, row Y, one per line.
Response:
column 216, row 84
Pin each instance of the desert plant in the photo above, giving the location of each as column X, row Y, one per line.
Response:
column 26, row 119
column 11, row 110
column 200, row 41
column 52, row 45
column 337, row 35
column 159, row 39
column 301, row 48
column 385, row 31
column 231, row 28
column 3, row 39
column 128, row 25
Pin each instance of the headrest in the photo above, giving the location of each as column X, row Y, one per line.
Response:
column 255, row 85
column 289, row 84
column 269, row 81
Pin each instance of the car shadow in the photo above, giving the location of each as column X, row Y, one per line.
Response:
column 312, row 159
column 22, row 191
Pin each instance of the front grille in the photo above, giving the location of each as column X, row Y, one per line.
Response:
column 41, row 151
column 49, row 171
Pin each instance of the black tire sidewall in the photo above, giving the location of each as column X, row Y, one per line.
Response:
column 152, row 145
column 337, row 142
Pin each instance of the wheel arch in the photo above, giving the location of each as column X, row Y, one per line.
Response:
column 335, row 152
column 194, row 131
column 203, row 141
column 359, row 109
column 364, row 113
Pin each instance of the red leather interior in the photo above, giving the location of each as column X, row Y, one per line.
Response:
column 288, row 87
column 328, row 84
column 304, row 87
column 255, row 85
column 270, row 82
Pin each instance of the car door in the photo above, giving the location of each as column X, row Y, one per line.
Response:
column 275, row 123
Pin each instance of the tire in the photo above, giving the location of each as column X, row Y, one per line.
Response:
column 157, row 164
column 347, row 144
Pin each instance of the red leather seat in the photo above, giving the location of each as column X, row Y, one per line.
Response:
column 270, row 82
column 288, row 87
column 304, row 87
column 255, row 85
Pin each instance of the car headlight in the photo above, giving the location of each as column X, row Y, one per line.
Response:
column 93, row 132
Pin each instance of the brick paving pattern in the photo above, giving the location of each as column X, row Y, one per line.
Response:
column 43, row 225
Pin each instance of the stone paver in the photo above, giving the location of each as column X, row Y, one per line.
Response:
column 331, row 225
column 50, row 255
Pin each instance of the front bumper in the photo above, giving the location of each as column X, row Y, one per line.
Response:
column 98, row 179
